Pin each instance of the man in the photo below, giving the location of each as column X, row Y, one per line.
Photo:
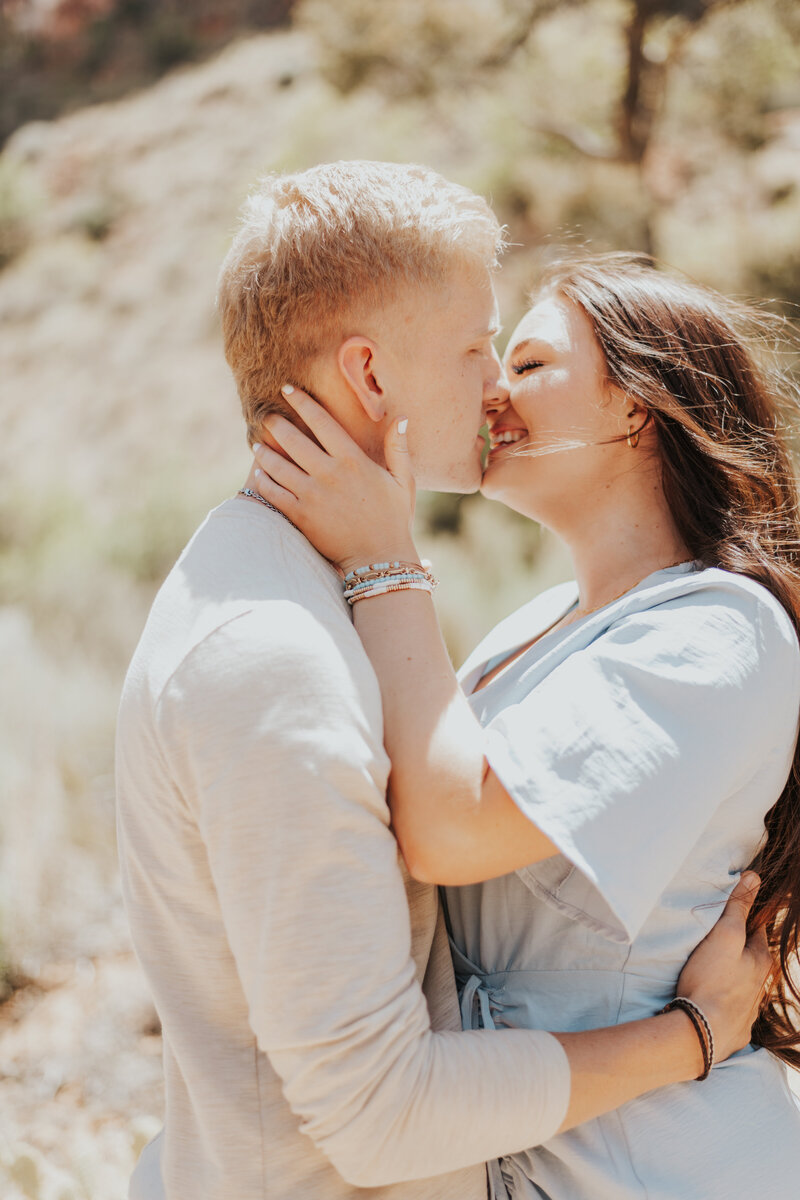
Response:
column 286, row 948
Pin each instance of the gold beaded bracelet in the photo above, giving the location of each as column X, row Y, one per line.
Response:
column 387, row 570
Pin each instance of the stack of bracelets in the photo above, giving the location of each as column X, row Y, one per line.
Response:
column 378, row 579
column 701, row 1028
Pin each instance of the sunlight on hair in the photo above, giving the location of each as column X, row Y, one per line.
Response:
column 319, row 249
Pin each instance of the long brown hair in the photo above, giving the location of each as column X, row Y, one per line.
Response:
column 704, row 369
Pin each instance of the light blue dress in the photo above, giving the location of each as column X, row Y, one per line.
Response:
column 647, row 740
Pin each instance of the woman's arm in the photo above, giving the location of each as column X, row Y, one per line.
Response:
column 454, row 821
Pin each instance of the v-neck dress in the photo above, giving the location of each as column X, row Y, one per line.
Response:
column 647, row 740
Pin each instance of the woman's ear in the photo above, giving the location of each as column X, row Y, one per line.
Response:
column 357, row 363
column 622, row 406
column 617, row 401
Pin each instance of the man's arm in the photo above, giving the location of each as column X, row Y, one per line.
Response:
column 288, row 774
column 725, row 976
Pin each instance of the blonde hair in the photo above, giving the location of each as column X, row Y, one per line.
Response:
column 317, row 249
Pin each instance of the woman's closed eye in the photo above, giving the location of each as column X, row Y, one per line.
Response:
column 529, row 365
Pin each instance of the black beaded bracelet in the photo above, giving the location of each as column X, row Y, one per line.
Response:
column 701, row 1027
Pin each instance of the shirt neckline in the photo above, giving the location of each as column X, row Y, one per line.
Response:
column 683, row 568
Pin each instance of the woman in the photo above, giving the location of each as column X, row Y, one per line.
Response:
column 626, row 739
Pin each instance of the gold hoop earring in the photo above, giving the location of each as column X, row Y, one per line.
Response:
column 633, row 437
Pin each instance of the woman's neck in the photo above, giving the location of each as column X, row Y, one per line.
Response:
column 624, row 538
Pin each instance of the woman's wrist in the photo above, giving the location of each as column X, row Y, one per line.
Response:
column 401, row 552
column 373, row 579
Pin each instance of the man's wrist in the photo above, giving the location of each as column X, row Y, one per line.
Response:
column 689, row 1055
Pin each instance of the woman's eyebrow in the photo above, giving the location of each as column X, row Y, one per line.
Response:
column 523, row 345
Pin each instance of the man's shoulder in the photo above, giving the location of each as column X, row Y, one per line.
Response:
column 243, row 552
column 271, row 643
column 248, row 593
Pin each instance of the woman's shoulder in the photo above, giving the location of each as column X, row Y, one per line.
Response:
column 723, row 599
column 707, row 625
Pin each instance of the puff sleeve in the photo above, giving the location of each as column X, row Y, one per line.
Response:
column 625, row 751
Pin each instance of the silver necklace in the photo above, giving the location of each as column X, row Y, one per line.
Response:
column 256, row 496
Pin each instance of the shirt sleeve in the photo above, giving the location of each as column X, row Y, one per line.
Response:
column 624, row 752
column 288, row 775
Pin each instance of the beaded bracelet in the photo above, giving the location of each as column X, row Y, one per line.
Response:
column 409, row 580
column 383, row 566
column 381, row 587
column 404, row 577
column 376, row 579
column 701, row 1027
column 387, row 570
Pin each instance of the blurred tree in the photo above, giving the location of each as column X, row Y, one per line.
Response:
column 415, row 48
column 418, row 49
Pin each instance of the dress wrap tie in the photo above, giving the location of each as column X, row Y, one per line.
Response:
column 476, row 1013
column 475, row 989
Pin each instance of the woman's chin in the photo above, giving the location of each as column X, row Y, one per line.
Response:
column 497, row 486
column 491, row 480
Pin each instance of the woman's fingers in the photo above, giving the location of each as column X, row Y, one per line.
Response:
column 345, row 503
column 281, row 470
column 326, row 429
column 277, row 496
column 301, row 448
column 395, row 452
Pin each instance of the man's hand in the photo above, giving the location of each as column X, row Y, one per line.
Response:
column 727, row 973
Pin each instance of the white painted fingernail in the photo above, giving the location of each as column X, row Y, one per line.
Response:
column 402, row 426
column 287, row 389
column 257, row 472
column 256, row 447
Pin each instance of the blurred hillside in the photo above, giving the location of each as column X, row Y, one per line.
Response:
column 121, row 426
column 58, row 55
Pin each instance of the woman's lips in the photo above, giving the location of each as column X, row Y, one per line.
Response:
column 499, row 439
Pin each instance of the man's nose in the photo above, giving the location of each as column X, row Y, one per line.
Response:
column 496, row 394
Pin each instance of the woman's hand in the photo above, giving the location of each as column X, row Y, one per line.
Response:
column 352, row 510
column 727, row 973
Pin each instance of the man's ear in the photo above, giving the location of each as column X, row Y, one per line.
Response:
column 357, row 363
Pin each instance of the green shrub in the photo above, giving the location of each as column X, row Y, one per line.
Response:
column 19, row 201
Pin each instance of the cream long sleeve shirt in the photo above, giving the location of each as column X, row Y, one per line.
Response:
column 284, row 944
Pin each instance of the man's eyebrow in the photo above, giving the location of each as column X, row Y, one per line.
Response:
column 491, row 332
